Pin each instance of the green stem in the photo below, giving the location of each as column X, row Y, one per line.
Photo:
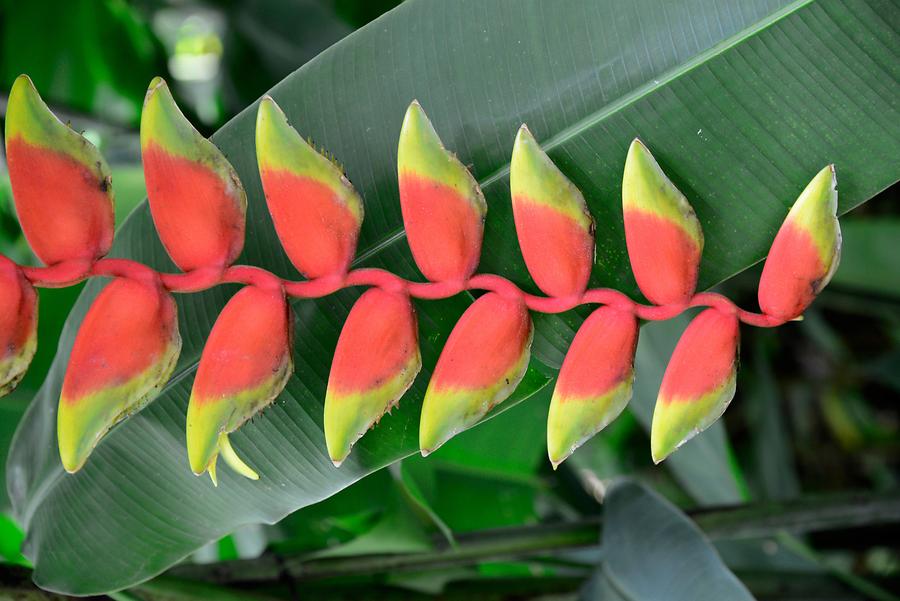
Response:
column 807, row 514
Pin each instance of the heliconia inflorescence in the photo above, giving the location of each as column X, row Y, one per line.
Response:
column 245, row 365
column 375, row 362
column 128, row 343
column 443, row 207
column 806, row 251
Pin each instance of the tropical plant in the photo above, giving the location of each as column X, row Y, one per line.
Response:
column 740, row 163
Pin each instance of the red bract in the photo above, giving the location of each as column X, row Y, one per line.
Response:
column 18, row 325
column 316, row 211
column 125, row 350
column 375, row 362
column 553, row 224
column 594, row 384
column 661, row 231
column 806, row 251
column 699, row 382
column 483, row 361
column 245, row 365
column 61, row 185
column 196, row 199
column 443, row 207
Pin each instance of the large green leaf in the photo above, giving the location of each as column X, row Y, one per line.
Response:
column 742, row 101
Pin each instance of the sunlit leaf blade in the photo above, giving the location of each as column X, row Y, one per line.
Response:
column 375, row 362
column 595, row 381
column 443, row 207
column 481, row 364
column 197, row 201
column 18, row 325
column 246, row 363
column 806, row 252
column 61, row 185
column 661, row 230
column 553, row 224
column 699, row 382
column 125, row 351
column 316, row 211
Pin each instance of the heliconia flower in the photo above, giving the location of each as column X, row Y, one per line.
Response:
column 595, row 382
column 61, row 185
column 245, row 365
column 662, row 232
column 443, row 207
column 806, row 251
column 18, row 325
column 699, row 382
column 196, row 199
column 376, row 360
column 125, row 350
column 483, row 361
column 316, row 211
column 554, row 226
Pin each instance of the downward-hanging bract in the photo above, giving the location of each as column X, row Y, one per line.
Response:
column 806, row 251
column 699, row 382
column 125, row 350
column 483, row 361
column 316, row 212
column 443, row 207
column 196, row 199
column 128, row 342
column 18, row 325
column 661, row 231
column 375, row 362
column 553, row 224
column 245, row 365
column 61, row 185
column 595, row 381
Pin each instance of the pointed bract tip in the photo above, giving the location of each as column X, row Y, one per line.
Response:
column 157, row 82
column 425, row 452
column 337, row 462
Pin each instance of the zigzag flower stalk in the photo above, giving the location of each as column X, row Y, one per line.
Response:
column 128, row 343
